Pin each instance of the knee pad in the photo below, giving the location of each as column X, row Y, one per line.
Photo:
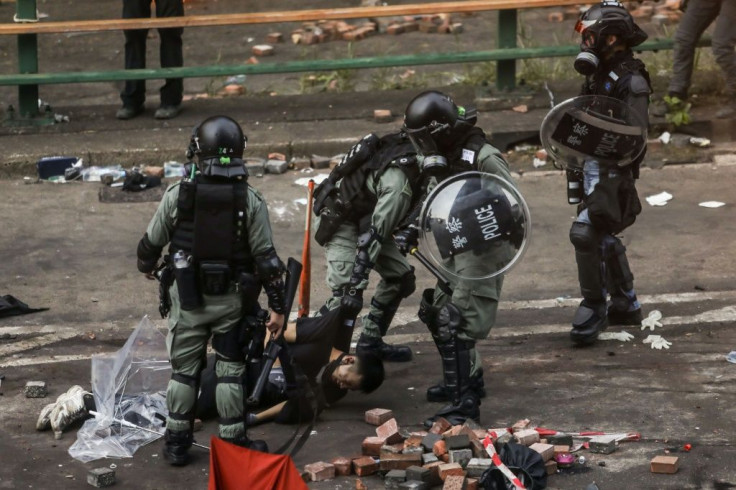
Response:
column 447, row 322
column 407, row 284
column 583, row 237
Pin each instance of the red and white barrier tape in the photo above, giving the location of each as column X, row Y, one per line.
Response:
column 510, row 476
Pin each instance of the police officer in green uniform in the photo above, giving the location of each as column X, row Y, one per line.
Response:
column 221, row 253
column 448, row 142
column 358, row 207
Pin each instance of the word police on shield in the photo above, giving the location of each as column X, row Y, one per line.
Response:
column 474, row 225
column 593, row 127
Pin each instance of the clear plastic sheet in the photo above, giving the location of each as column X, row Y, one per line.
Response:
column 129, row 385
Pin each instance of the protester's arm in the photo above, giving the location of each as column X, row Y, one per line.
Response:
column 270, row 413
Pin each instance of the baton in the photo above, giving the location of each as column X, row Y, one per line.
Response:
column 125, row 423
column 443, row 282
column 305, row 280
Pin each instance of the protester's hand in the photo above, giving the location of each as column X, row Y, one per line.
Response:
column 275, row 324
column 657, row 342
column 407, row 239
column 652, row 321
column 352, row 301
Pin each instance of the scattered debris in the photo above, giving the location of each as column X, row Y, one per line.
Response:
column 664, row 464
column 665, row 137
column 174, row 170
column 36, row 389
column 731, row 357
column 659, row 199
column 711, row 204
column 523, row 108
column 657, row 342
column 652, row 320
column 620, row 336
column 699, row 142
column 101, row 477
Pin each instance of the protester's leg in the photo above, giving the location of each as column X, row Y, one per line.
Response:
column 397, row 282
column 698, row 16
column 724, row 42
column 171, row 52
column 133, row 94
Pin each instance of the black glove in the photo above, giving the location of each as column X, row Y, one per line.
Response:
column 352, row 301
column 407, row 239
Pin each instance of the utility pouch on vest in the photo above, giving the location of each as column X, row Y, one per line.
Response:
column 328, row 225
column 186, row 284
column 214, row 277
column 250, row 288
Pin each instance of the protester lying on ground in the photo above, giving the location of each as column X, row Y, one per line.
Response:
column 331, row 370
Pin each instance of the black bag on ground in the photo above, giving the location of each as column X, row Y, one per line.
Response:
column 11, row 306
column 613, row 205
column 525, row 463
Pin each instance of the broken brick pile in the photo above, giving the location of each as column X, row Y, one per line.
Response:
column 661, row 12
column 449, row 456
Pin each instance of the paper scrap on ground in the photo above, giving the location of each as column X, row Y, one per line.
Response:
column 538, row 162
column 712, row 204
column 659, row 199
column 665, row 137
column 621, row 336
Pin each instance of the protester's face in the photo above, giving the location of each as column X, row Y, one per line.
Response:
column 346, row 375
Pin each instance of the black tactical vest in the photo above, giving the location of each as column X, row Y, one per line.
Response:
column 211, row 222
column 464, row 155
column 615, row 82
column 393, row 150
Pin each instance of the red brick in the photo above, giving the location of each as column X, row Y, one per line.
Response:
column 440, row 425
column 472, row 484
column 392, row 449
column 556, row 16
column 395, row 29
column 320, row 471
column 365, row 466
column 263, row 50
column 453, row 482
column 521, row 425
column 427, row 27
column 664, row 464
column 382, row 115
column 414, row 440
column 561, row 449
column 451, row 469
column 389, row 431
column 343, row 466
column 439, row 448
column 400, row 461
column 372, row 445
column 452, row 431
column 274, row 37
column 378, row 416
column 551, row 467
column 359, row 485
column 526, row 437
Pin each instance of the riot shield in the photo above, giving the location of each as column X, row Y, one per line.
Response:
column 474, row 226
column 593, row 127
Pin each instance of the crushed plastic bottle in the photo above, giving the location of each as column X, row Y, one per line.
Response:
column 173, row 170
column 95, row 174
column 731, row 357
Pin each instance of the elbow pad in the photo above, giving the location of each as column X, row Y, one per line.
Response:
column 271, row 272
column 148, row 254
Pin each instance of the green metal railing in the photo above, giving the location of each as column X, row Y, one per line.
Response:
column 28, row 79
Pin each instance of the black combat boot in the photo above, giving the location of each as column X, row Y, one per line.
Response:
column 620, row 312
column 590, row 320
column 440, row 393
column 243, row 440
column 176, row 446
column 386, row 352
column 456, row 366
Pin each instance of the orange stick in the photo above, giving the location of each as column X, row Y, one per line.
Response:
column 305, row 280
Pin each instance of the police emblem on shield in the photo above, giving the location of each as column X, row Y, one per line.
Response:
column 593, row 127
column 474, row 225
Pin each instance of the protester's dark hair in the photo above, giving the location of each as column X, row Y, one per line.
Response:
column 330, row 390
column 370, row 368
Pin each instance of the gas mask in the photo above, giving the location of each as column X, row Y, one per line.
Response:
column 424, row 142
column 592, row 47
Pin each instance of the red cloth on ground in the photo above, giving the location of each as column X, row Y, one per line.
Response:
column 237, row 468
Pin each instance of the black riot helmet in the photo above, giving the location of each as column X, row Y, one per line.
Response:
column 609, row 17
column 218, row 143
column 432, row 122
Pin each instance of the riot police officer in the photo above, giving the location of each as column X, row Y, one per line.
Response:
column 608, row 33
column 358, row 207
column 449, row 143
column 221, row 251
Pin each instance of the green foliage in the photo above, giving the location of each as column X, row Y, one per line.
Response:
column 678, row 111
